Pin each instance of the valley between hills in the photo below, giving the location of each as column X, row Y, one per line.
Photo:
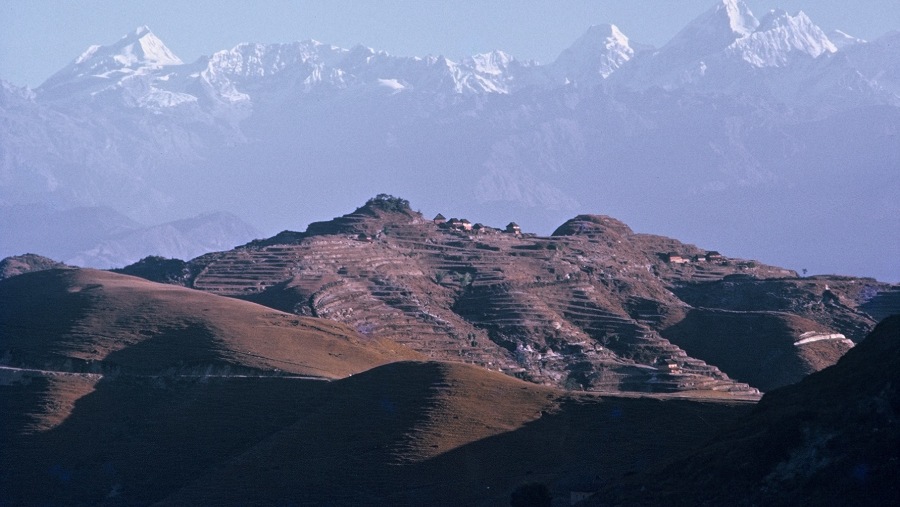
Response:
column 387, row 358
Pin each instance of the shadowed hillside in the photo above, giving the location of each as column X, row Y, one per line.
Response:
column 832, row 439
column 401, row 434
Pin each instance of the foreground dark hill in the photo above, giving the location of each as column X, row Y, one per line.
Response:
column 832, row 439
column 407, row 433
column 120, row 391
column 595, row 306
column 453, row 434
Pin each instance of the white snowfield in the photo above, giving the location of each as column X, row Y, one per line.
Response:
column 813, row 336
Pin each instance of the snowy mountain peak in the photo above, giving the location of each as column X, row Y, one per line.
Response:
column 602, row 50
column 493, row 63
column 781, row 37
column 123, row 73
column 141, row 48
column 714, row 30
column 740, row 18
column 607, row 33
column 138, row 52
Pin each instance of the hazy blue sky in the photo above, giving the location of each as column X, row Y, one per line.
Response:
column 38, row 37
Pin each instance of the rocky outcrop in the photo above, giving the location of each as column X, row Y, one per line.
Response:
column 20, row 264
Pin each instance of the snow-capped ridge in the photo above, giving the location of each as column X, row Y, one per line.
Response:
column 493, row 63
column 781, row 37
column 99, row 67
column 141, row 47
column 714, row 30
column 88, row 53
column 600, row 52
column 740, row 18
column 843, row 40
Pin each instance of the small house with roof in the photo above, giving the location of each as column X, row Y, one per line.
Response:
column 714, row 256
column 676, row 258
column 668, row 366
column 459, row 225
column 440, row 219
column 513, row 228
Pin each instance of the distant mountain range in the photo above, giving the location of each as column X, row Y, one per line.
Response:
column 764, row 135
column 100, row 237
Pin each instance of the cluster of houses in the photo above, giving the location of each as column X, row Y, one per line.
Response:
column 456, row 224
column 676, row 258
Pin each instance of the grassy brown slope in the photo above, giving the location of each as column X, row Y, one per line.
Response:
column 451, row 434
column 88, row 320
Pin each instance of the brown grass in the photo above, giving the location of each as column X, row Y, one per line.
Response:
column 398, row 433
column 88, row 320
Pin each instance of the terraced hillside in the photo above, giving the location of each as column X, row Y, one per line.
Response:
column 594, row 306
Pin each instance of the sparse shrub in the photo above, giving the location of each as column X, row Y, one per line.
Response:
column 389, row 202
column 157, row 269
column 464, row 279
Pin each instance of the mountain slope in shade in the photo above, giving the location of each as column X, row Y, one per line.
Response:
column 831, row 439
